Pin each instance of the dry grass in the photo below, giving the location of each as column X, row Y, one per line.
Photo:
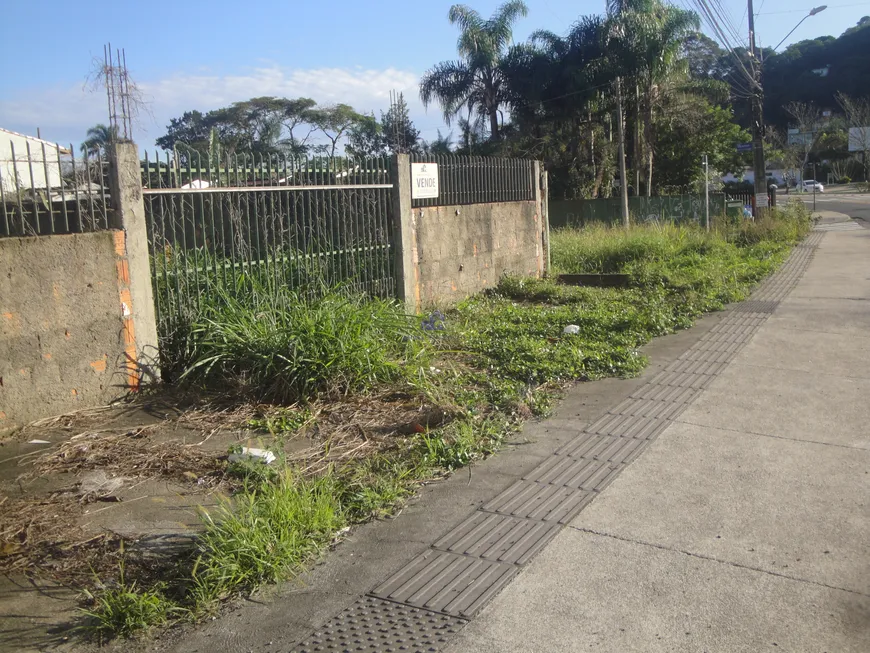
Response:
column 42, row 532
column 359, row 427
column 133, row 454
column 42, row 535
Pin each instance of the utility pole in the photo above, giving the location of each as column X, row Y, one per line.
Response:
column 707, row 192
column 623, row 180
column 757, row 119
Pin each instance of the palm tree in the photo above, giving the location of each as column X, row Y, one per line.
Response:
column 648, row 37
column 98, row 138
column 475, row 81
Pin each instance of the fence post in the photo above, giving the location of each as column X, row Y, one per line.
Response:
column 128, row 215
column 404, row 234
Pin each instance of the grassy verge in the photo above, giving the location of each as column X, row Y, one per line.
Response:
column 490, row 363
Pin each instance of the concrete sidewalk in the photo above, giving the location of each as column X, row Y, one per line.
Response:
column 745, row 526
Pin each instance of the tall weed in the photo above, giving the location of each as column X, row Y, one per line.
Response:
column 285, row 347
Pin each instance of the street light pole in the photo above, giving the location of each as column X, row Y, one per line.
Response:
column 758, row 162
column 813, row 12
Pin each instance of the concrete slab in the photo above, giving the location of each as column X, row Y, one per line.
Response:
column 806, row 351
column 798, row 509
column 850, row 317
column 588, row 592
column 787, row 404
column 846, row 268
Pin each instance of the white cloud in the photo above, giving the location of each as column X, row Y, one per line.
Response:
column 65, row 113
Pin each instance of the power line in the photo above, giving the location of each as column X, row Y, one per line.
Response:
column 804, row 11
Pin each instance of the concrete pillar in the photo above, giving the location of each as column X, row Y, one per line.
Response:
column 125, row 183
column 405, row 235
column 545, row 216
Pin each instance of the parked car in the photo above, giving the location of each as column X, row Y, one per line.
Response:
column 810, row 185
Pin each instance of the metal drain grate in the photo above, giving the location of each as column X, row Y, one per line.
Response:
column 756, row 306
column 372, row 624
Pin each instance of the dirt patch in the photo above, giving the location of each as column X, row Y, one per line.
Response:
column 84, row 493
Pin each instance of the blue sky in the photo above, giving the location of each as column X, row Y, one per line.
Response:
column 201, row 55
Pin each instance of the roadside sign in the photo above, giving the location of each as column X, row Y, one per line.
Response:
column 761, row 201
column 744, row 147
column 424, row 180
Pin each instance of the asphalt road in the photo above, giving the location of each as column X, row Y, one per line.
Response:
column 855, row 206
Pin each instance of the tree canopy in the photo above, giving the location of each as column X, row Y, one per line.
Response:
column 554, row 98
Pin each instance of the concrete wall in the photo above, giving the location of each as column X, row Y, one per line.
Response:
column 66, row 333
column 462, row 250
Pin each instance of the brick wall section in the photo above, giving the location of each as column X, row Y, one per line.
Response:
column 65, row 341
column 461, row 250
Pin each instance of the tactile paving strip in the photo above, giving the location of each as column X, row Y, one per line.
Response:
column 628, row 426
column 548, row 503
column 498, row 537
column 577, row 473
column 604, row 447
column 457, row 585
column 373, row 625
column 430, row 599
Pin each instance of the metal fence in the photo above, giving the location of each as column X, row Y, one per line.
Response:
column 220, row 224
column 45, row 189
column 478, row 179
column 673, row 208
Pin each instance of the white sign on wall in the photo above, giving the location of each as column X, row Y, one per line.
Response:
column 424, row 180
column 859, row 139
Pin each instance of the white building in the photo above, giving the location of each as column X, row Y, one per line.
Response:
column 780, row 175
column 42, row 169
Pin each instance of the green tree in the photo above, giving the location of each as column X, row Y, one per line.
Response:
column 265, row 125
column 441, row 145
column 561, row 113
column 398, row 130
column 334, row 122
column 689, row 127
column 366, row 138
column 97, row 140
column 647, row 50
column 474, row 82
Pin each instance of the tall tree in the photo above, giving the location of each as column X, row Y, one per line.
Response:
column 857, row 112
column 97, row 140
column 807, row 119
column 553, row 85
column 475, row 81
column 334, row 122
column 648, row 47
column 399, row 132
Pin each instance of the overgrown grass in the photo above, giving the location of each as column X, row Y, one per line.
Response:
column 126, row 610
column 262, row 534
column 494, row 363
column 284, row 347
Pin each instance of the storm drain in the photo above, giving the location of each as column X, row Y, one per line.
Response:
column 432, row 597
